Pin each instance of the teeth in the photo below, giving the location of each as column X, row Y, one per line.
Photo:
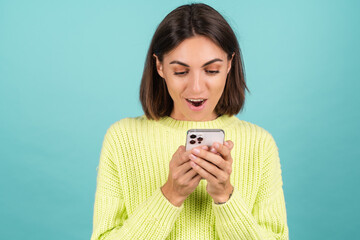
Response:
column 195, row 100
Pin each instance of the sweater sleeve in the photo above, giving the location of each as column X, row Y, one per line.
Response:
column 153, row 219
column 267, row 219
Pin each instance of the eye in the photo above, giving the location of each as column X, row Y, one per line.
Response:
column 181, row 73
column 212, row 72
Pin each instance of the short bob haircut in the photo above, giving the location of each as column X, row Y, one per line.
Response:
column 185, row 22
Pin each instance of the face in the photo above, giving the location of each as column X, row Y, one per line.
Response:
column 195, row 73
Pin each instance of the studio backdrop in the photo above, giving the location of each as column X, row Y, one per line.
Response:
column 70, row 69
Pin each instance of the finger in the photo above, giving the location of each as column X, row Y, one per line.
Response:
column 229, row 144
column 209, row 167
column 205, row 147
column 186, row 154
column 188, row 176
column 195, row 181
column 181, row 156
column 181, row 170
column 218, row 174
column 213, row 150
column 180, row 150
column 210, row 157
column 200, row 147
column 223, row 150
column 202, row 172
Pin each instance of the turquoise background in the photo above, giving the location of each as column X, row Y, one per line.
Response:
column 69, row 69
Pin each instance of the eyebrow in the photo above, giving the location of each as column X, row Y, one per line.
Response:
column 209, row 62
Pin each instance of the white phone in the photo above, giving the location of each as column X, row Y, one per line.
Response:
column 200, row 137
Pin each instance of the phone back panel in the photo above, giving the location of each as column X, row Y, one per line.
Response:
column 200, row 137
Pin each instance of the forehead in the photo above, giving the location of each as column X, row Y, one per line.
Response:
column 195, row 51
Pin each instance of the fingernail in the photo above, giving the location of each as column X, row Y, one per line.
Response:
column 196, row 151
column 216, row 145
column 204, row 147
column 192, row 157
column 213, row 150
column 226, row 144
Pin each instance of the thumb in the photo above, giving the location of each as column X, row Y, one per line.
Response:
column 181, row 149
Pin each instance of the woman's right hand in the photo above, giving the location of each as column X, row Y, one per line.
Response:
column 182, row 179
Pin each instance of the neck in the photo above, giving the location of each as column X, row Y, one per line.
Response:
column 192, row 118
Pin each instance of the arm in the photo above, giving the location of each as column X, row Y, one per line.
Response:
column 267, row 218
column 153, row 219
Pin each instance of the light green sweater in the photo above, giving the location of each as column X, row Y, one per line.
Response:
column 134, row 164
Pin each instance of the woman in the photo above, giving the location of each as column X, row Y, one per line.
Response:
column 149, row 187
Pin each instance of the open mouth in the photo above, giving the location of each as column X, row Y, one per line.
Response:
column 196, row 102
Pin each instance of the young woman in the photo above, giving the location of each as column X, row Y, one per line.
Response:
column 149, row 186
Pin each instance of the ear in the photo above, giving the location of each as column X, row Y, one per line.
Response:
column 159, row 66
column 229, row 63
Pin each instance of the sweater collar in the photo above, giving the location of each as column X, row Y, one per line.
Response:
column 220, row 122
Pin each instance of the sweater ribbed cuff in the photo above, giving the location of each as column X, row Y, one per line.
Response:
column 154, row 219
column 162, row 210
column 235, row 208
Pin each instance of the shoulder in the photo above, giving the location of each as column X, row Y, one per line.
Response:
column 124, row 126
column 254, row 131
column 250, row 127
column 130, row 122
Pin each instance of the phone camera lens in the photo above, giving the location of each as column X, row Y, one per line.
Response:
column 192, row 141
column 193, row 136
column 200, row 139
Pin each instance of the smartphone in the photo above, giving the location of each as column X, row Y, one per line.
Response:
column 200, row 137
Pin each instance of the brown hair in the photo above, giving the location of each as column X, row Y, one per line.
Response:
column 184, row 22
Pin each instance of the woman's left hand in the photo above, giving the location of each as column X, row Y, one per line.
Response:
column 215, row 166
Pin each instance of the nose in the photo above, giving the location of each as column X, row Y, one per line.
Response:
column 196, row 84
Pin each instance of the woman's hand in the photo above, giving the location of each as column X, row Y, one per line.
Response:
column 216, row 167
column 182, row 179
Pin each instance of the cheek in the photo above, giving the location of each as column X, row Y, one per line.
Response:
column 175, row 88
column 217, row 85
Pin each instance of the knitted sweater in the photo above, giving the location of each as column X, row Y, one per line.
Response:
column 134, row 164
